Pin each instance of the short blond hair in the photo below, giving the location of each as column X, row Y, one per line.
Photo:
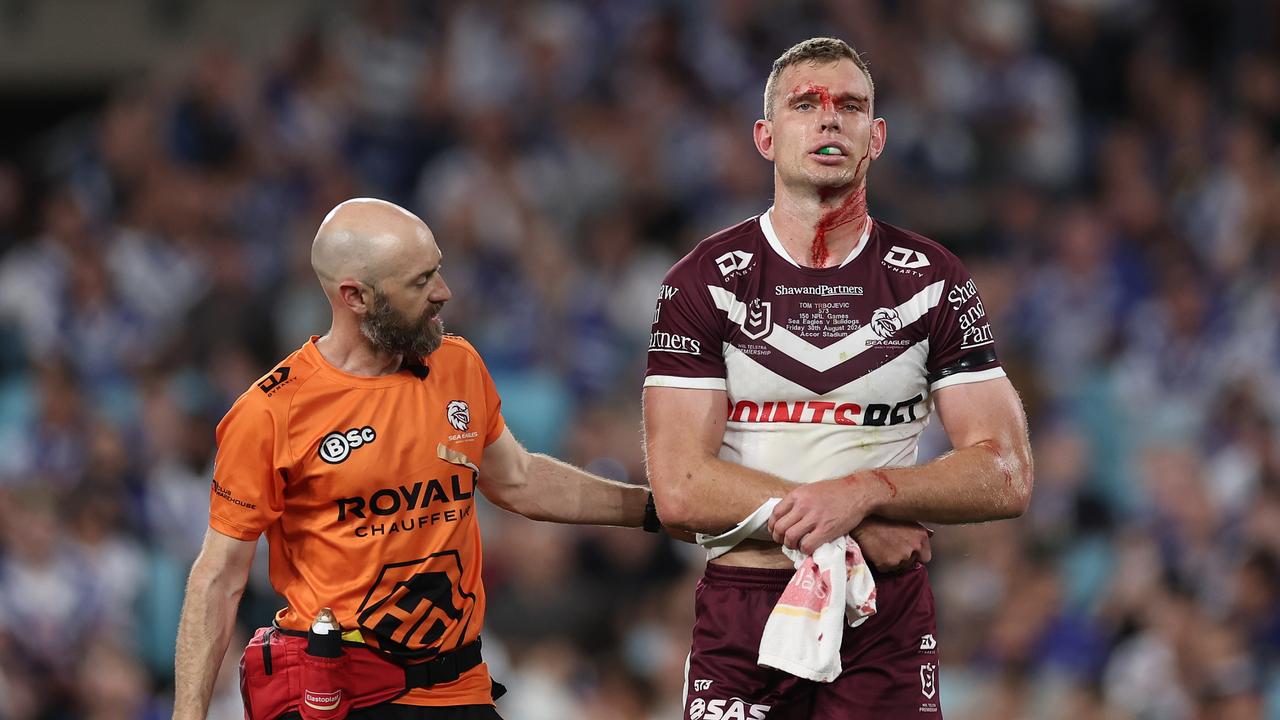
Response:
column 814, row 50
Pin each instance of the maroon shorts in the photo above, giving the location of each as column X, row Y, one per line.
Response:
column 889, row 663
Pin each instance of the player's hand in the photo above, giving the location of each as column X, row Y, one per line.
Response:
column 820, row 512
column 890, row 545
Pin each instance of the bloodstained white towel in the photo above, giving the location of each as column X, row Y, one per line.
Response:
column 805, row 629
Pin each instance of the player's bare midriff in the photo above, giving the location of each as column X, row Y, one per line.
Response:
column 756, row 554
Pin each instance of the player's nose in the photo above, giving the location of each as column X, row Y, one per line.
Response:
column 829, row 119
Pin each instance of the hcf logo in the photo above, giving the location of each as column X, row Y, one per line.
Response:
column 731, row 709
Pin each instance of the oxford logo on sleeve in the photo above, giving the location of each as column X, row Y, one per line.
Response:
column 337, row 446
column 905, row 258
column 733, row 261
column 459, row 415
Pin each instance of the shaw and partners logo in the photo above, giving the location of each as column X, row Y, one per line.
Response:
column 660, row 341
column 819, row 290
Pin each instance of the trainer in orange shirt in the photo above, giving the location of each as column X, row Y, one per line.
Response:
column 358, row 456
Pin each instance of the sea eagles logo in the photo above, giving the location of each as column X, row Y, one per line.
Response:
column 458, row 414
column 759, row 320
column 885, row 322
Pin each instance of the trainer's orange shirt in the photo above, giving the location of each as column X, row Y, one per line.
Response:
column 365, row 488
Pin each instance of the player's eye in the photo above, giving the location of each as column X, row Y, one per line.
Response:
column 803, row 106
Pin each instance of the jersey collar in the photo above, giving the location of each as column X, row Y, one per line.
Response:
column 766, row 226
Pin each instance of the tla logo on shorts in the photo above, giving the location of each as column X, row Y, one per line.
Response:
column 336, row 446
column 731, row 709
column 459, row 415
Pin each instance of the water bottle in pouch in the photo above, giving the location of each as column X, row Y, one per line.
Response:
column 322, row 671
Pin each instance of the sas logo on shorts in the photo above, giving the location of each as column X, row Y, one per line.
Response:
column 459, row 415
column 336, row 446
column 731, row 709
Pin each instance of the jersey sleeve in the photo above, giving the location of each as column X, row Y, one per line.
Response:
column 493, row 404
column 686, row 339
column 961, row 346
column 248, row 482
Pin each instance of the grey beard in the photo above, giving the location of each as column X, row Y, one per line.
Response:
column 389, row 335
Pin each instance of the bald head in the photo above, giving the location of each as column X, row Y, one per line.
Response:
column 369, row 240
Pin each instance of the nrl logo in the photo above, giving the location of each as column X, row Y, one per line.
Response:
column 759, row 320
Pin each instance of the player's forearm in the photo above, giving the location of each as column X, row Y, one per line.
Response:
column 710, row 496
column 560, row 492
column 208, row 616
column 988, row 481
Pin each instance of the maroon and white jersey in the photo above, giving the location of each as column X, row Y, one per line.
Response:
column 827, row 370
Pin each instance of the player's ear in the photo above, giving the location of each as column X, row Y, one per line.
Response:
column 353, row 295
column 763, row 134
column 879, row 136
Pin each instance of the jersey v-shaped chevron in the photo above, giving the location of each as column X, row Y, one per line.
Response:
column 823, row 359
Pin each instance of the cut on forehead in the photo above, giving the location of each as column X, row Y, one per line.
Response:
column 812, row 53
column 368, row 239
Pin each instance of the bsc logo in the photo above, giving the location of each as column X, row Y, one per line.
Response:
column 336, row 446
column 412, row 604
column 459, row 415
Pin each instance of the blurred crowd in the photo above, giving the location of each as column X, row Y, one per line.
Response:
column 1108, row 170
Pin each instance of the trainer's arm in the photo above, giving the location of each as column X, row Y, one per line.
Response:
column 987, row 477
column 694, row 489
column 541, row 487
column 217, row 581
